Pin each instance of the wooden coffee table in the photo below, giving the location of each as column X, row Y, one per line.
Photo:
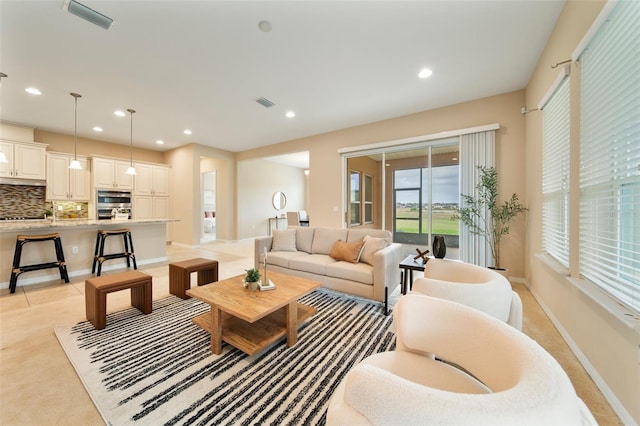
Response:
column 252, row 320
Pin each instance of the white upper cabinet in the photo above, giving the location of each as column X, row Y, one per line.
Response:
column 25, row 160
column 152, row 179
column 110, row 174
column 64, row 183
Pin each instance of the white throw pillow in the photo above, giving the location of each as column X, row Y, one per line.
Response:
column 284, row 240
column 370, row 247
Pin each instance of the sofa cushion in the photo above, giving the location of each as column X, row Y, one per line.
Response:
column 359, row 234
column 371, row 246
column 284, row 240
column 304, row 238
column 282, row 258
column 314, row 263
column 324, row 238
column 360, row 272
column 349, row 252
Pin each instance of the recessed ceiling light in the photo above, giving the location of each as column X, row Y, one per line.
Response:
column 425, row 72
column 159, row 142
column 97, row 129
column 33, row 91
column 187, row 132
column 265, row 26
column 290, row 114
column 119, row 113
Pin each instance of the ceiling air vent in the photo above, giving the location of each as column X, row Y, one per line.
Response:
column 88, row 14
column 265, row 102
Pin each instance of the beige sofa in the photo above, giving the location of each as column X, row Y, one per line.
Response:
column 304, row 252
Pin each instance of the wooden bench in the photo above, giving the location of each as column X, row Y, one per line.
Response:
column 96, row 289
column 180, row 274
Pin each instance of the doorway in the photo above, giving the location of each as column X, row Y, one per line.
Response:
column 208, row 210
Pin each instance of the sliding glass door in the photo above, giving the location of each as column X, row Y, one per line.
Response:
column 411, row 191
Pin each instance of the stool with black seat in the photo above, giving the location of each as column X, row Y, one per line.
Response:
column 21, row 241
column 99, row 257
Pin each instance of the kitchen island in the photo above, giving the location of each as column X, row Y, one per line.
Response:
column 78, row 242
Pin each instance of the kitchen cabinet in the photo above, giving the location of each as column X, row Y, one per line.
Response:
column 110, row 173
column 25, row 160
column 150, row 207
column 151, row 193
column 152, row 179
column 64, row 183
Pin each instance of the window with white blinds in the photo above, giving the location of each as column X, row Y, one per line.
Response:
column 555, row 174
column 610, row 156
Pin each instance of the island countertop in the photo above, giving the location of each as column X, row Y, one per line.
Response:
column 38, row 224
column 78, row 238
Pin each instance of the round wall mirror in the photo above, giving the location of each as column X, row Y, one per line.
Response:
column 279, row 200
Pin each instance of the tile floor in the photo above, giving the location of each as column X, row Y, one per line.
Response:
column 38, row 385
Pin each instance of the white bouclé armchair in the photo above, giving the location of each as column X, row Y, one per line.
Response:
column 475, row 286
column 493, row 374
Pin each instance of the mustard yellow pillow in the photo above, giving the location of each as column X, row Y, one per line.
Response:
column 349, row 252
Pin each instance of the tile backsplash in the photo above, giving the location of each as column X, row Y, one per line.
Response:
column 71, row 210
column 22, row 201
column 30, row 202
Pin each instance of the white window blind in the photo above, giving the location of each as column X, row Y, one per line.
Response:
column 610, row 156
column 555, row 174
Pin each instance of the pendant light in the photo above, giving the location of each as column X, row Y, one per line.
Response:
column 75, row 164
column 130, row 169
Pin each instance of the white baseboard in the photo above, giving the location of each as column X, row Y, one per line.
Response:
column 55, row 274
column 608, row 394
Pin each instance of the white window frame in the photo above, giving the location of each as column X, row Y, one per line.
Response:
column 556, row 144
column 609, row 243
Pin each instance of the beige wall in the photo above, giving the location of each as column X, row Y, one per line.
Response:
column 608, row 348
column 325, row 178
column 64, row 143
column 258, row 180
column 187, row 162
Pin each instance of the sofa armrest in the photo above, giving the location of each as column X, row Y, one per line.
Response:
column 386, row 272
column 260, row 244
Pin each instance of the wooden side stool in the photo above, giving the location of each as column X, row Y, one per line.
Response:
column 96, row 289
column 21, row 241
column 180, row 275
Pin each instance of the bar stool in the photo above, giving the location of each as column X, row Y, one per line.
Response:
column 99, row 257
column 21, row 241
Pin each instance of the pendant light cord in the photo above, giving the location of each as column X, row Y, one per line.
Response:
column 75, row 127
column 75, row 132
column 131, row 111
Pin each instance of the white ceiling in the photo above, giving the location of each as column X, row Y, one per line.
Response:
column 202, row 64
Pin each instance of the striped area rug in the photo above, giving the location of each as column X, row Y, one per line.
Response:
column 158, row 368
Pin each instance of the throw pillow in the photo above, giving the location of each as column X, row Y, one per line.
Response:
column 284, row 240
column 349, row 252
column 370, row 247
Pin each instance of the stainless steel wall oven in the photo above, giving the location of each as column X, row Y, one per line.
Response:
column 108, row 202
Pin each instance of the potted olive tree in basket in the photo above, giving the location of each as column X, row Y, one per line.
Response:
column 471, row 213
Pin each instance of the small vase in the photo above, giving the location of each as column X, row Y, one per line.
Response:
column 253, row 286
column 438, row 247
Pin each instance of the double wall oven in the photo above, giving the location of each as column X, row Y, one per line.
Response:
column 109, row 202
